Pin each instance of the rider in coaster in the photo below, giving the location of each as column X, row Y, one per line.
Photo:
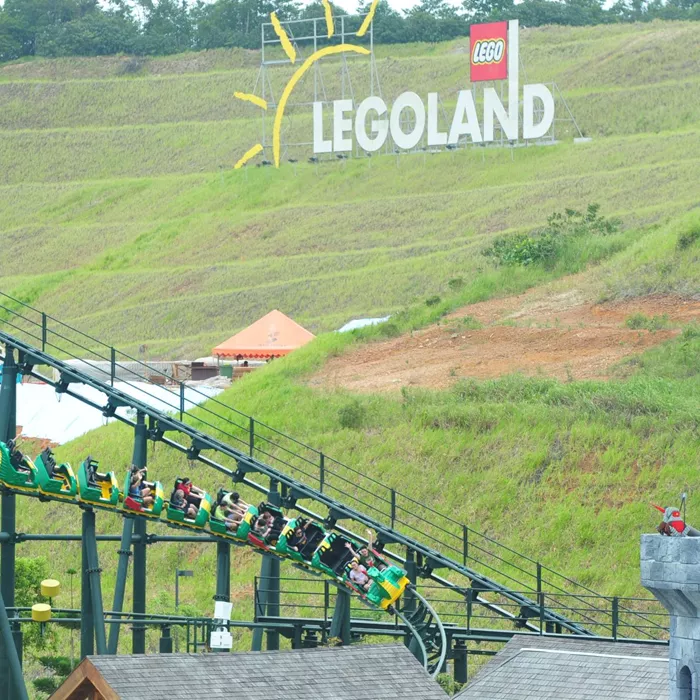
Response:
column 235, row 503
column 138, row 488
column 193, row 493
column 263, row 524
column 358, row 575
column 179, row 502
column 232, row 518
column 298, row 538
column 365, row 555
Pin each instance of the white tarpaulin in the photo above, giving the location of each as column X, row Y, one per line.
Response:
column 42, row 415
column 361, row 323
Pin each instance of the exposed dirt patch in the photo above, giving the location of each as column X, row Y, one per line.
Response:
column 557, row 335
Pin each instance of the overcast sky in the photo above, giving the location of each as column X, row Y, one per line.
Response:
column 351, row 5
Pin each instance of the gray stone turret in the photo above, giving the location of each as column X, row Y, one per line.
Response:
column 671, row 571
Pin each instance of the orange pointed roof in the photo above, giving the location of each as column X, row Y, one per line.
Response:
column 273, row 335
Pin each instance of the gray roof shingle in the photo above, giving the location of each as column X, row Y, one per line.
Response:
column 572, row 669
column 363, row 672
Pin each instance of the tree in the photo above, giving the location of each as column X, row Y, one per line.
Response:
column 29, row 573
column 95, row 34
column 14, row 37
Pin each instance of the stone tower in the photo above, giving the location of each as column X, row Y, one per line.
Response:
column 671, row 571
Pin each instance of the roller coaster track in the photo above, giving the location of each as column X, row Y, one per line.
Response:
column 486, row 574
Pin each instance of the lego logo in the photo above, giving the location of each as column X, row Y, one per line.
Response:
column 487, row 51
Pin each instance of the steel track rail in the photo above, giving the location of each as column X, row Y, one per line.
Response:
column 246, row 464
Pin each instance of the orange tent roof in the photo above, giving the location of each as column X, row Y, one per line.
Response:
column 273, row 335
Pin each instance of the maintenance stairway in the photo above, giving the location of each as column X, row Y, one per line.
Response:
column 458, row 569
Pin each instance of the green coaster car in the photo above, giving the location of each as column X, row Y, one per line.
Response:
column 217, row 524
column 55, row 479
column 95, row 487
column 178, row 514
column 134, row 503
column 17, row 471
column 270, row 523
column 333, row 555
column 299, row 539
column 387, row 586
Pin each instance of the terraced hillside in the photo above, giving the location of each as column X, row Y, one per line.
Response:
column 120, row 212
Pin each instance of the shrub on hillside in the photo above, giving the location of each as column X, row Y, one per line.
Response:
column 689, row 238
column 352, row 415
column 641, row 321
column 544, row 246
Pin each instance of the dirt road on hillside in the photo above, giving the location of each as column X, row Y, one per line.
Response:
column 559, row 335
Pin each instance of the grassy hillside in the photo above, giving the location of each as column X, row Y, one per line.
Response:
column 563, row 472
column 120, row 212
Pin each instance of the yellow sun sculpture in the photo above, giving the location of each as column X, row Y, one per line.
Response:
column 292, row 55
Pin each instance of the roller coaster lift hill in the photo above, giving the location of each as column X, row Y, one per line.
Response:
column 514, row 594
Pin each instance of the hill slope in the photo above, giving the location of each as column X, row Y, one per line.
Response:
column 119, row 212
column 115, row 216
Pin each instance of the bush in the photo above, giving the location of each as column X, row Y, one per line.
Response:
column 688, row 238
column 352, row 415
column 521, row 249
column 640, row 321
column 456, row 283
column 433, row 301
column 389, row 329
column 691, row 332
column 544, row 246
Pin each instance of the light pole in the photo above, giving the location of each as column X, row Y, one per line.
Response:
column 178, row 573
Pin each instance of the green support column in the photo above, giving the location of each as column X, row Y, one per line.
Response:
column 261, row 601
column 87, row 625
column 8, row 398
column 340, row 624
column 408, row 602
column 98, row 616
column 166, row 640
column 138, row 645
column 223, row 574
column 268, row 602
column 120, row 586
column 273, row 589
column 460, row 661
column 8, row 431
column 12, row 681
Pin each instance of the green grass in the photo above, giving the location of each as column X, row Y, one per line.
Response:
column 117, row 217
column 120, row 212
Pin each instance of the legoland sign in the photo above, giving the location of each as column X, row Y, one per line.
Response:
column 494, row 55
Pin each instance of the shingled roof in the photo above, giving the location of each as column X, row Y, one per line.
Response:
column 370, row 672
column 572, row 669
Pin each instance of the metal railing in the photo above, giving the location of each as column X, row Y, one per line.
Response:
column 397, row 511
column 611, row 617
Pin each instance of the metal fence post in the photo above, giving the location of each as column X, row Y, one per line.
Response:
column 251, row 436
column 393, row 508
column 615, row 616
column 465, row 544
column 182, row 399
column 540, row 600
column 539, row 577
column 112, row 365
column 322, row 472
column 43, row 332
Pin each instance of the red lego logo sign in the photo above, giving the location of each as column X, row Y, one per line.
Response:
column 489, row 48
